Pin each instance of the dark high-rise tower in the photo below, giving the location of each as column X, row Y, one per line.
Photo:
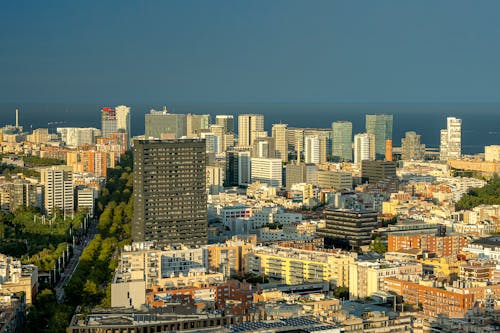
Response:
column 350, row 229
column 170, row 199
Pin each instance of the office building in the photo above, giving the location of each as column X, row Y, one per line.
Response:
column 349, row 229
column 248, row 125
column 196, row 123
column 411, row 148
column 451, row 139
column 219, row 132
column 279, row 133
column 364, row 147
column 227, row 121
column 267, row 171
column 342, row 141
column 300, row 173
column 228, row 141
column 237, row 171
column 244, row 168
column 231, row 173
column 170, row 199
column 58, row 189
column 212, row 143
column 338, row 180
column 123, row 120
column 164, row 125
column 380, row 125
column 109, row 123
column 312, row 149
column 296, row 141
column 376, row 171
column 295, row 174
column 264, row 147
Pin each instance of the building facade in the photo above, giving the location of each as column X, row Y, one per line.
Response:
column 411, row 148
column 279, row 133
column 123, row 120
column 58, row 189
column 161, row 124
column 170, row 191
column 380, row 125
column 342, row 141
column 348, row 228
column 267, row 171
column 248, row 125
column 451, row 139
column 364, row 147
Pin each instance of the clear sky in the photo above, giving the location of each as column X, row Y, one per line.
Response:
column 250, row 51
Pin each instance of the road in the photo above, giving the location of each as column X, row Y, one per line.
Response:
column 74, row 261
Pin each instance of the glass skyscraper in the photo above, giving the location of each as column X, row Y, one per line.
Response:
column 380, row 125
column 342, row 141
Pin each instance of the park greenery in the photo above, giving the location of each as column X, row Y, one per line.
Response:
column 8, row 170
column 90, row 286
column 30, row 162
column 487, row 195
column 26, row 235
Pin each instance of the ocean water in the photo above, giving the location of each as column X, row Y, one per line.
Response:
column 480, row 122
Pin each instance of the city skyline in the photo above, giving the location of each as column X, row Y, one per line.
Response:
column 249, row 166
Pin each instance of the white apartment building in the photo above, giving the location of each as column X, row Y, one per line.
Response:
column 451, row 139
column 267, row 171
column 123, row 120
column 85, row 198
column 364, row 147
column 312, row 149
column 58, row 186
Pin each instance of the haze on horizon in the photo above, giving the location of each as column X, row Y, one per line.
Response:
column 251, row 51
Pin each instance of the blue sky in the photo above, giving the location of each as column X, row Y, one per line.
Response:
column 250, row 51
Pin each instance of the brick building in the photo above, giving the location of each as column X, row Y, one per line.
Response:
column 443, row 246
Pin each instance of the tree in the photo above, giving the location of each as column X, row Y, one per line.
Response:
column 378, row 246
column 341, row 292
column 489, row 195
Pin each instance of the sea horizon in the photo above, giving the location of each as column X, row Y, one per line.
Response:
column 479, row 127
